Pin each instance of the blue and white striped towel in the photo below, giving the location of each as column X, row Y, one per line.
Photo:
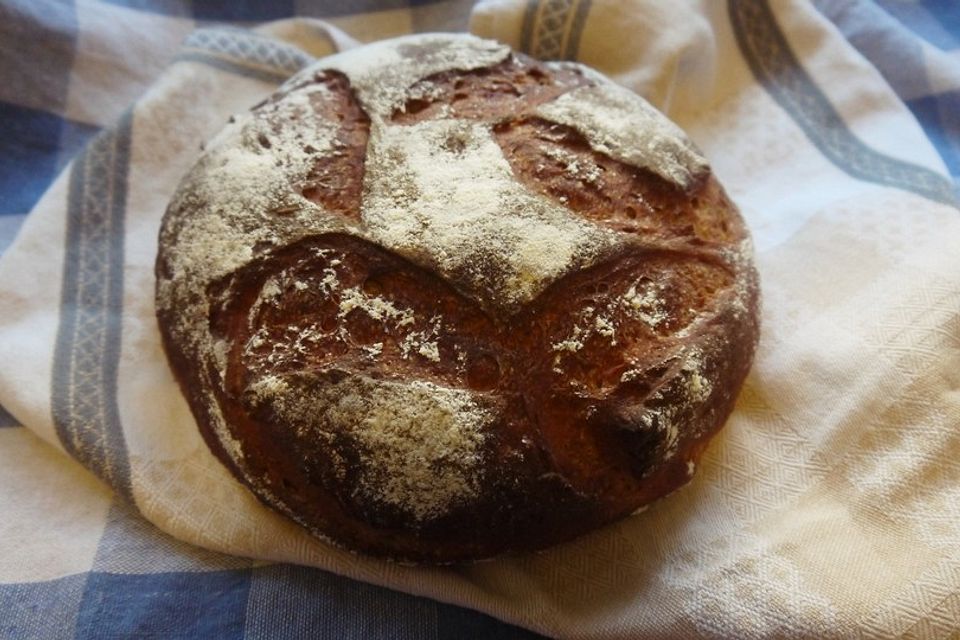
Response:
column 828, row 508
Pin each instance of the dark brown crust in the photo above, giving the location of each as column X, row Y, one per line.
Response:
column 572, row 446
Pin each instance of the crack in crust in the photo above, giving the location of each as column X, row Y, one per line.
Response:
column 382, row 402
column 514, row 87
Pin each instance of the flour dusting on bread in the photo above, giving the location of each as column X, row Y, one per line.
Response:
column 623, row 125
column 442, row 193
column 420, row 445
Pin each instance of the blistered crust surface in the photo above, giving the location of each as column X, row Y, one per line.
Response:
column 437, row 301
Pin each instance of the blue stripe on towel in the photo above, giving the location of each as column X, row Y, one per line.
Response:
column 38, row 42
column 243, row 10
column 940, row 117
column 34, row 145
column 288, row 601
column 936, row 21
column 164, row 605
column 278, row 602
column 456, row 622
column 87, row 351
column 29, row 143
column 947, row 14
column 43, row 609
column 776, row 67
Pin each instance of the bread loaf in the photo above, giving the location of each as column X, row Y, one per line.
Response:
column 437, row 301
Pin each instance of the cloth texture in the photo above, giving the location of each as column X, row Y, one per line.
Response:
column 829, row 507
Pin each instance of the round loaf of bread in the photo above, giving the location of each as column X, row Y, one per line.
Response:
column 437, row 301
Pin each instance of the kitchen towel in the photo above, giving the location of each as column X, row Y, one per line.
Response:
column 828, row 507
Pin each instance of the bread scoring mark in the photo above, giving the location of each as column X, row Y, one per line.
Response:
column 294, row 294
column 490, row 94
column 383, row 72
column 557, row 161
column 333, row 179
